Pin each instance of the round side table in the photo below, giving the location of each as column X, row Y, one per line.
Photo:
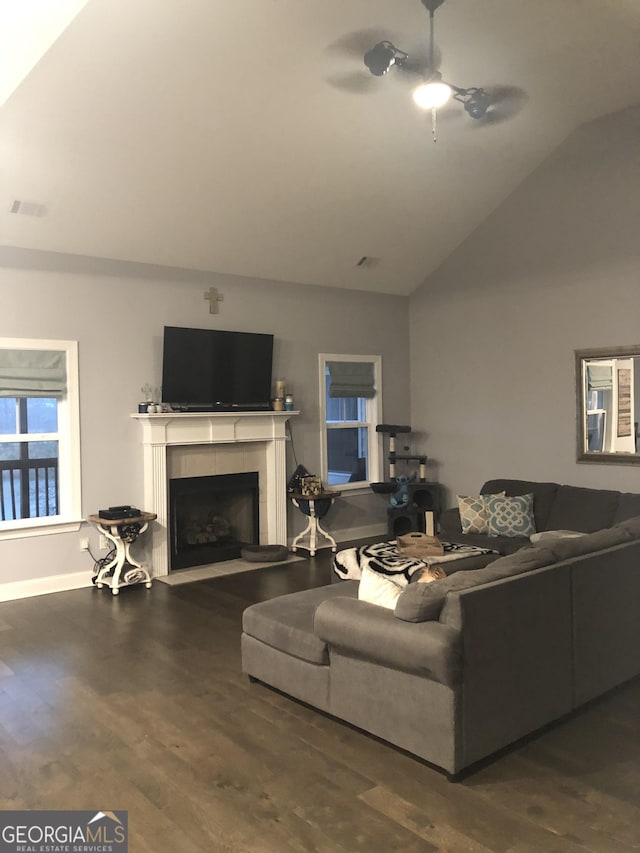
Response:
column 314, row 507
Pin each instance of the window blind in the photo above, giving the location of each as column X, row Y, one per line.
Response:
column 32, row 373
column 351, row 379
column 599, row 377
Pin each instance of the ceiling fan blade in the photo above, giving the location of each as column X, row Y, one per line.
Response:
column 354, row 45
column 354, row 82
column 506, row 103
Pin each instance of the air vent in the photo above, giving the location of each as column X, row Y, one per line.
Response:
column 27, row 208
column 367, row 261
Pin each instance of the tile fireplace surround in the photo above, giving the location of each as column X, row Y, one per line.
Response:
column 198, row 444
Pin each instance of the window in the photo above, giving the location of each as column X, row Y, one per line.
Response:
column 39, row 437
column 350, row 408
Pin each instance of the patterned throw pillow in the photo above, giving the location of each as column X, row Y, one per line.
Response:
column 511, row 516
column 473, row 513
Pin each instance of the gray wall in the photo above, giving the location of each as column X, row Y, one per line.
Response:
column 117, row 313
column 493, row 332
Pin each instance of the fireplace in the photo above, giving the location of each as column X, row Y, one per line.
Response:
column 212, row 517
column 186, row 444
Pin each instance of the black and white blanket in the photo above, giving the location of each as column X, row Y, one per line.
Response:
column 386, row 559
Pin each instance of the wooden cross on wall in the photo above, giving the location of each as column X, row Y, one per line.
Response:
column 214, row 297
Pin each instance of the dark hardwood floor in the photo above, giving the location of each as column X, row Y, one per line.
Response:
column 138, row 702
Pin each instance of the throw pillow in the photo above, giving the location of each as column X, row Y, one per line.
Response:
column 376, row 589
column 511, row 516
column 473, row 513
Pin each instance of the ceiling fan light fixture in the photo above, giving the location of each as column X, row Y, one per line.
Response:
column 432, row 95
column 382, row 57
column 477, row 104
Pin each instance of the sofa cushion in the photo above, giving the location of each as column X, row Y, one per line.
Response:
column 502, row 544
column 543, row 496
column 564, row 549
column 510, row 516
column 632, row 525
column 423, row 602
column 585, row 510
column 628, row 507
column 286, row 622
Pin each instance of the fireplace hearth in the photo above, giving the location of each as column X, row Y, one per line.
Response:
column 212, row 517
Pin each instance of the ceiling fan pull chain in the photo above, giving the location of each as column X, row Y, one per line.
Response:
column 433, row 123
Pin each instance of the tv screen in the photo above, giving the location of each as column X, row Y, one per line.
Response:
column 211, row 370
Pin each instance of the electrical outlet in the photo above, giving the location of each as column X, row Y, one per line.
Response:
column 103, row 542
column 84, row 544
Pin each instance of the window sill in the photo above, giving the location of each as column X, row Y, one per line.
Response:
column 349, row 489
column 37, row 527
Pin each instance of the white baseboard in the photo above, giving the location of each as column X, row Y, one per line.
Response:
column 43, row 586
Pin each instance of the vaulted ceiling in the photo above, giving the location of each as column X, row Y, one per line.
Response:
column 249, row 138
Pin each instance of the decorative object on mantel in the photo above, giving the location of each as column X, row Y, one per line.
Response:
column 150, row 398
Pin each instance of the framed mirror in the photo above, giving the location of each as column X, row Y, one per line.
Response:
column 608, row 405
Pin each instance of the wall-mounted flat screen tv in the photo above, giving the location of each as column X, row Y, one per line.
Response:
column 214, row 370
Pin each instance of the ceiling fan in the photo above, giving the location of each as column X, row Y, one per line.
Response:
column 434, row 92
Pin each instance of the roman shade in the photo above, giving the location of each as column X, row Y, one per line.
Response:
column 351, row 379
column 33, row 373
column 599, row 377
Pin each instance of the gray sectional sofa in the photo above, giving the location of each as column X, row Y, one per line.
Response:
column 555, row 507
column 471, row 663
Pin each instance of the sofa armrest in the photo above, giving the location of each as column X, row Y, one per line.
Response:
column 373, row 633
column 518, row 663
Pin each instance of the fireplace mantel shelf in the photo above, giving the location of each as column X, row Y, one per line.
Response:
column 182, row 415
column 173, row 428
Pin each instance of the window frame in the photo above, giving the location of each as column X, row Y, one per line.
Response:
column 373, row 418
column 69, row 517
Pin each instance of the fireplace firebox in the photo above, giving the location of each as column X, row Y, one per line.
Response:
column 211, row 518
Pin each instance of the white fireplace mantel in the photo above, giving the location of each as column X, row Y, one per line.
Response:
column 162, row 431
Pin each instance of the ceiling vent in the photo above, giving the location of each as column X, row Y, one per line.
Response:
column 27, row 208
column 367, row 261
